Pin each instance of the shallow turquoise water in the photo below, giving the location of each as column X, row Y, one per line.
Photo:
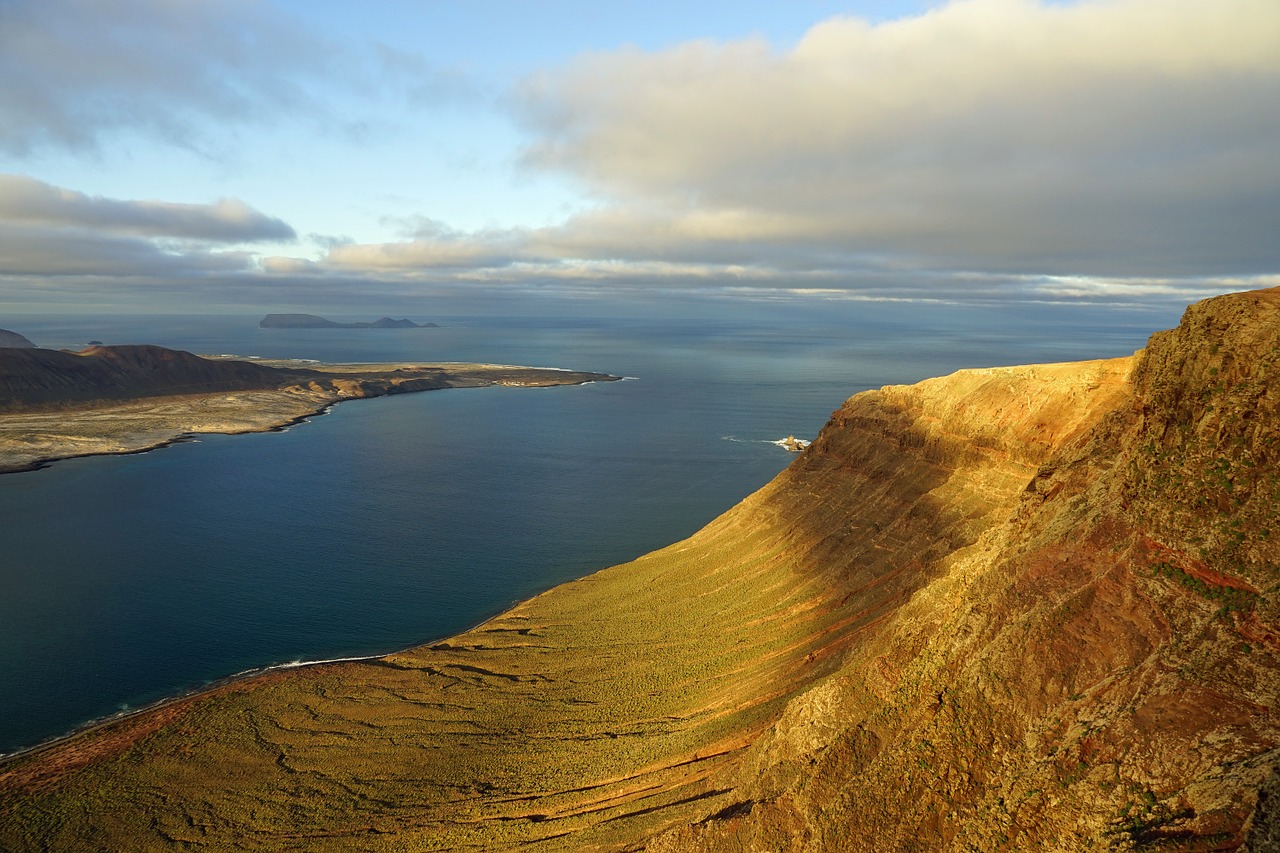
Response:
column 395, row 521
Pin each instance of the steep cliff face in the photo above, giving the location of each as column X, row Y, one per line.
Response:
column 1099, row 670
column 1021, row 608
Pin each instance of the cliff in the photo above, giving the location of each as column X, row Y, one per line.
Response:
column 1026, row 608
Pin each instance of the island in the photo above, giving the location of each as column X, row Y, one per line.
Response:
column 13, row 339
column 310, row 321
column 56, row 404
column 1018, row 608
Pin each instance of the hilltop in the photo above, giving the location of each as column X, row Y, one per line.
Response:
column 41, row 377
column 1023, row 608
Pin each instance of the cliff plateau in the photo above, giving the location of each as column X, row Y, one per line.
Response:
column 1025, row 608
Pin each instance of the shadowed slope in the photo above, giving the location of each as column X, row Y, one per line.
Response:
column 40, row 377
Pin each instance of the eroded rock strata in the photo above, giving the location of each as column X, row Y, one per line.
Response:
column 1029, row 608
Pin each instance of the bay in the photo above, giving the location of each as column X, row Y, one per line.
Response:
column 400, row 520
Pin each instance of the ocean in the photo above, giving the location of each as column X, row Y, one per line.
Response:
column 391, row 522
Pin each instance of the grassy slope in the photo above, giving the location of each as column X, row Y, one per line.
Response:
column 606, row 708
column 940, row 627
column 1099, row 671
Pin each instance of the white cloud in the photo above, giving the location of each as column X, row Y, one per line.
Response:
column 77, row 73
column 52, row 231
column 28, row 251
column 26, row 200
column 987, row 149
column 1128, row 136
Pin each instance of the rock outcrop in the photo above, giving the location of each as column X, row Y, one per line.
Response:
column 1026, row 608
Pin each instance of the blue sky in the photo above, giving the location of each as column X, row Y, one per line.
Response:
column 167, row 155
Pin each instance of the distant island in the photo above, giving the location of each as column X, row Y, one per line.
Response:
column 15, row 340
column 311, row 321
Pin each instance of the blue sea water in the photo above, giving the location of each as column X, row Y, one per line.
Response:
column 399, row 520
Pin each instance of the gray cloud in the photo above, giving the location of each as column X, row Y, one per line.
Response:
column 1060, row 150
column 28, row 251
column 75, row 72
column 51, row 231
column 71, row 70
column 1107, row 138
column 26, row 200
column 1105, row 151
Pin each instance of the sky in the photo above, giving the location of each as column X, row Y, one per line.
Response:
column 299, row 155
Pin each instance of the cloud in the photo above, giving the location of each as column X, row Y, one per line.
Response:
column 74, row 73
column 51, row 231
column 26, row 200
column 433, row 244
column 290, row 266
column 72, row 70
column 1128, row 137
column 985, row 150
column 26, row 251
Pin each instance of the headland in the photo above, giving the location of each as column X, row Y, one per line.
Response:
column 127, row 399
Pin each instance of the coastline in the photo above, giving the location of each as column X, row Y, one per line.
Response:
column 43, row 462
column 34, row 439
column 245, row 679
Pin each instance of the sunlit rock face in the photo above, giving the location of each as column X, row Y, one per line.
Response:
column 1099, row 669
column 1027, row 608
